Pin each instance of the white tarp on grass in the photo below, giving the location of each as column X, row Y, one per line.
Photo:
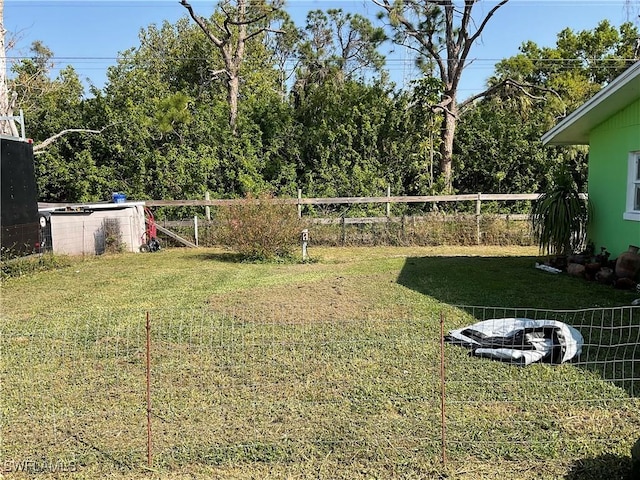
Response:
column 520, row 340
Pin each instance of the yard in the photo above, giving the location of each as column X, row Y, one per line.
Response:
column 328, row 369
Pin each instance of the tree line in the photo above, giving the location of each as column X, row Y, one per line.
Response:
column 213, row 104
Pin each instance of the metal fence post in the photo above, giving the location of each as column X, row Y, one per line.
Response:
column 149, row 445
column 443, row 416
column 478, row 209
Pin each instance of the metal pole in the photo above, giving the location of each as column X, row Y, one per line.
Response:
column 478, row 210
column 195, row 229
column 22, row 134
column 305, row 241
column 442, row 392
column 149, row 457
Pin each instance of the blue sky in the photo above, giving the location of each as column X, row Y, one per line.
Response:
column 89, row 34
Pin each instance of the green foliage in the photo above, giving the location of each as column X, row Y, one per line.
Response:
column 173, row 111
column 341, row 126
column 69, row 169
column 18, row 267
column 259, row 229
column 559, row 218
column 338, row 46
column 498, row 148
column 344, row 130
column 579, row 65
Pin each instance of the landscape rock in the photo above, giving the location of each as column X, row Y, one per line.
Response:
column 624, row 284
column 592, row 268
column 605, row 275
column 576, row 270
column 628, row 263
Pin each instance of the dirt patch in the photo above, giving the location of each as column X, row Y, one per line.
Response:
column 335, row 299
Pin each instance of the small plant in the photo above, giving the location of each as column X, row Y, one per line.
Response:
column 559, row 218
column 259, row 228
column 113, row 236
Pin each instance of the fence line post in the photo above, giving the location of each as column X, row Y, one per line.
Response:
column 195, row 229
column 344, row 230
column 149, row 445
column 388, row 203
column 299, row 204
column 443, row 393
column 478, row 207
column 207, row 209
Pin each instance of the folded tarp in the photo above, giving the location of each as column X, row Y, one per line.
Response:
column 520, row 340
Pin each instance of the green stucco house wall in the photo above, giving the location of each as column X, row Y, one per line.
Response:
column 610, row 124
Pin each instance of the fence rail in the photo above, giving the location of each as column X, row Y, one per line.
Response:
column 477, row 197
column 517, row 217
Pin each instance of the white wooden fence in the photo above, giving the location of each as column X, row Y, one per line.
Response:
column 343, row 220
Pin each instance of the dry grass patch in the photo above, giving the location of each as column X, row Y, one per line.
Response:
column 307, row 302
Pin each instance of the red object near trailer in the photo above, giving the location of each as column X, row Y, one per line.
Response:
column 150, row 241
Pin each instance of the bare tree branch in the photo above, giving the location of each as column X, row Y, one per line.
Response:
column 37, row 149
column 201, row 23
column 264, row 30
column 475, row 36
column 443, row 106
column 215, row 73
column 412, row 31
column 523, row 87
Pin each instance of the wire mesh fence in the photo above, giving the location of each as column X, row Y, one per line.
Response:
column 546, row 413
column 428, row 229
column 316, row 394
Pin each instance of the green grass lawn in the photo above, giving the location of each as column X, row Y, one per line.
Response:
column 327, row 369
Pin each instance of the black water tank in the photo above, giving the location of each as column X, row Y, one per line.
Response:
column 19, row 220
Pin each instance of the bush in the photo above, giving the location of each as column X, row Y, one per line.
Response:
column 559, row 218
column 18, row 267
column 259, row 228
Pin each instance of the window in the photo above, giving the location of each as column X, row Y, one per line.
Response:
column 636, row 185
column 633, row 188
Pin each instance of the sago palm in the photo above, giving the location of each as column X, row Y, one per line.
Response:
column 559, row 218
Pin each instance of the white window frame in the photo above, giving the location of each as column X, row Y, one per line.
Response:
column 633, row 183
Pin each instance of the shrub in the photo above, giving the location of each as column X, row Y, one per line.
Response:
column 559, row 218
column 259, row 228
column 112, row 236
column 18, row 267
